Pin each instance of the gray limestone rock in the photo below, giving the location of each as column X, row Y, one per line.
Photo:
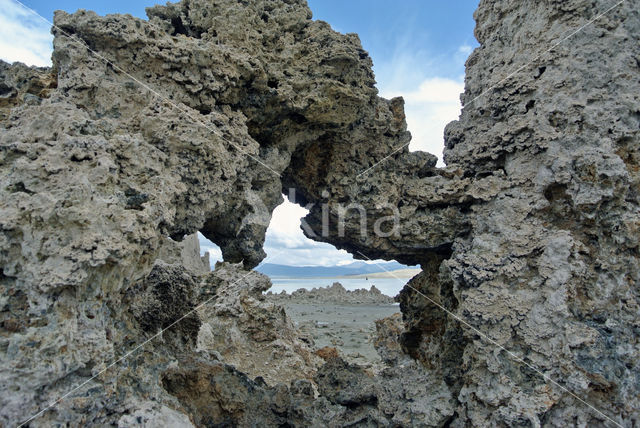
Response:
column 207, row 112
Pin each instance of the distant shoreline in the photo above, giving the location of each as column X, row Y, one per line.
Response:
column 399, row 273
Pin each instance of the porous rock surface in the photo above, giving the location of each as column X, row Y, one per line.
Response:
column 185, row 253
column 253, row 334
column 528, row 239
column 102, row 175
column 529, row 236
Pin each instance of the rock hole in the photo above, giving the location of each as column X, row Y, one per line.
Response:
column 529, row 105
column 135, row 199
column 555, row 192
column 19, row 187
column 5, row 91
column 541, row 71
column 203, row 110
column 178, row 27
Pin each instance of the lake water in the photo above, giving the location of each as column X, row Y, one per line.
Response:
column 388, row 286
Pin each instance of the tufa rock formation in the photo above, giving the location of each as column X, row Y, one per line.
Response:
column 202, row 116
column 335, row 294
column 186, row 253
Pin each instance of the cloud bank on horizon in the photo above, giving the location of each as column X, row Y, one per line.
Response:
column 429, row 79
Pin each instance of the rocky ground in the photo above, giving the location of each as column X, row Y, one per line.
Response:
column 336, row 318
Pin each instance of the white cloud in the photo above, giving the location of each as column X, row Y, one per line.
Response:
column 286, row 244
column 284, row 229
column 429, row 108
column 24, row 36
column 465, row 51
column 320, row 254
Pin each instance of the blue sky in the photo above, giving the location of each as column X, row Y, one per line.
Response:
column 424, row 37
column 418, row 48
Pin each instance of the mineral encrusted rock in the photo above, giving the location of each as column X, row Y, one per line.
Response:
column 529, row 235
column 98, row 172
column 20, row 84
column 185, row 253
column 253, row 334
column 335, row 294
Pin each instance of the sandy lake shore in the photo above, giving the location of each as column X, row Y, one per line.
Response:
column 341, row 319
